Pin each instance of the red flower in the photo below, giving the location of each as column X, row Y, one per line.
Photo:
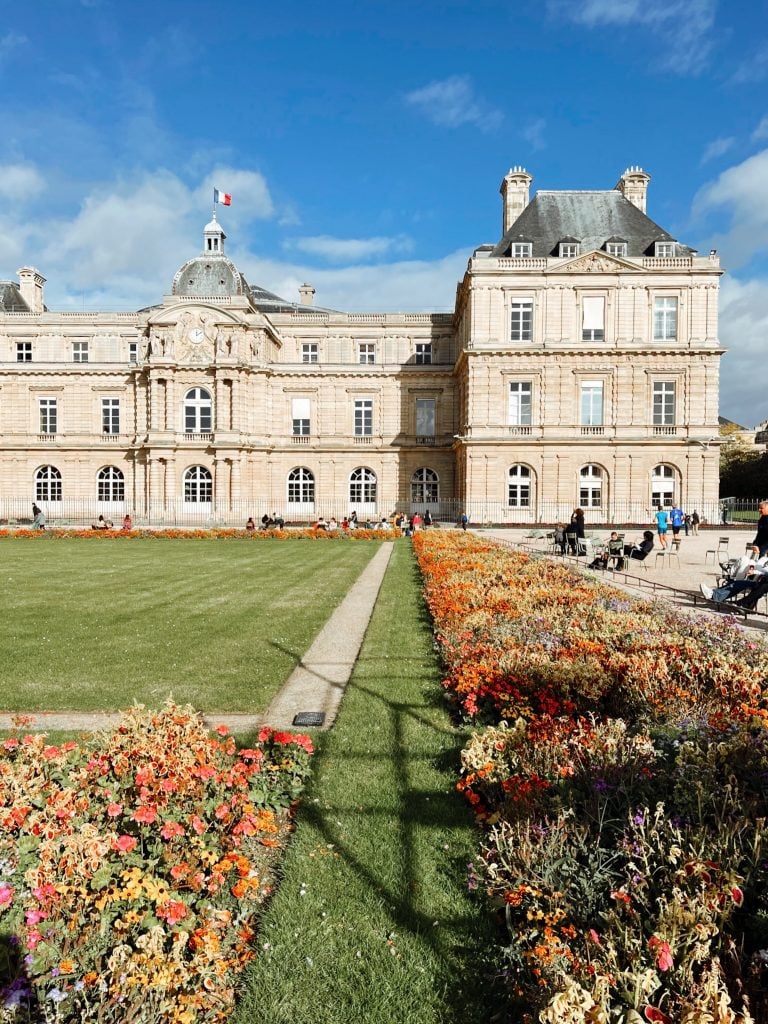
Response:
column 222, row 730
column 114, row 810
column 171, row 829
column 146, row 814
column 173, row 911
column 664, row 960
column 124, row 844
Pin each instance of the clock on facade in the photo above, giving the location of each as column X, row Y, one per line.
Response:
column 195, row 335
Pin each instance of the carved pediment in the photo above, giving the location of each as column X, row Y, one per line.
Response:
column 597, row 262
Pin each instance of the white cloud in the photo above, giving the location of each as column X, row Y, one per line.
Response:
column 716, row 148
column 340, row 250
column 19, row 182
column 743, row 330
column 250, row 194
column 754, row 68
column 683, row 27
column 743, row 192
column 451, row 102
column 533, row 133
column 10, row 42
column 761, row 131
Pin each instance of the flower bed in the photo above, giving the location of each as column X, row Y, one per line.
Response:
column 175, row 533
column 132, row 866
column 620, row 785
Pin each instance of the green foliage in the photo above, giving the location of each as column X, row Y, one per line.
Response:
column 743, row 470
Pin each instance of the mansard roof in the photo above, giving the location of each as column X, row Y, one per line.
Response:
column 591, row 217
column 11, row 300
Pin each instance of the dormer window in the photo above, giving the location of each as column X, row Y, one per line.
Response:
column 616, row 247
column 520, row 250
column 568, row 250
column 664, row 249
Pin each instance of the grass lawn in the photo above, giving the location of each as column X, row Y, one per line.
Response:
column 373, row 921
column 94, row 625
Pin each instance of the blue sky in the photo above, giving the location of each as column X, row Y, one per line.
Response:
column 364, row 142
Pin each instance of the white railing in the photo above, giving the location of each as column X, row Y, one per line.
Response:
column 300, row 438
column 664, row 431
column 592, row 431
column 197, row 436
column 363, row 439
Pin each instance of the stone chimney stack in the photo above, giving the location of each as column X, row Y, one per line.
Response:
column 633, row 185
column 306, row 295
column 31, row 284
column 515, row 190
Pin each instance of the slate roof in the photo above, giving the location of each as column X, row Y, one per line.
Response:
column 10, row 298
column 590, row 217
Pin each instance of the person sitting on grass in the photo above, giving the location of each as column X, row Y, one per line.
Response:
column 639, row 551
column 127, row 522
column 38, row 522
column 102, row 524
column 250, row 525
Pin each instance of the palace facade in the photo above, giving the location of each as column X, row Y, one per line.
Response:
column 580, row 367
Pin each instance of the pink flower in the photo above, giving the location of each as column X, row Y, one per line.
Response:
column 114, row 810
column 173, row 911
column 664, row 960
column 197, row 824
column 222, row 730
column 35, row 916
column 171, row 829
column 145, row 815
column 124, row 844
column 6, row 895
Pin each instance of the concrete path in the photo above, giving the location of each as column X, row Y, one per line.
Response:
column 315, row 685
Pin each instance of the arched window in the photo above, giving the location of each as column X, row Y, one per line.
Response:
column 110, row 484
column 519, row 487
column 590, row 487
column 198, row 485
column 48, row 484
column 425, row 486
column 362, row 486
column 301, row 486
column 198, row 411
column 663, row 486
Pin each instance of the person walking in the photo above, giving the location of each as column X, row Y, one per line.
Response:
column 695, row 523
column 662, row 525
column 464, row 521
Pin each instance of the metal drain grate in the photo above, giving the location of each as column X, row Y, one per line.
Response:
column 309, row 718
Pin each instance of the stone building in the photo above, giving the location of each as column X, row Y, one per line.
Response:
column 580, row 367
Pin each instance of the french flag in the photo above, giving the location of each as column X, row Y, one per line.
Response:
column 222, row 197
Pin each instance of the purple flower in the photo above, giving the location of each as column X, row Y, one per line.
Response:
column 56, row 995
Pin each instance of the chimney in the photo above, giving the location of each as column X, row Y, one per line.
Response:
column 306, row 295
column 514, row 192
column 31, row 284
column 633, row 185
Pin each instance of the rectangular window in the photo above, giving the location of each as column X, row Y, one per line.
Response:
column 80, row 351
column 520, row 403
column 423, row 353
column 425, row 417
column 521, row 250
column 593, row 318
column 110, row 415
column 616, row 248
column 522, row 320
column 48, row 416
column 569, row 249
column 366, row 353
column 665, row 319
column 133, row 351
column 665, row 248
column 23, row 351
column 300, row 414
column 663, row 403
column 363, row 417
column 309, row 352
column 592, row 403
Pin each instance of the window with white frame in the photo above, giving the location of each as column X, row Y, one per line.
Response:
column 110, row 415
column 591, row 403
column 665, row 318
column 80, row 351
column 366, row 353
column 309, row 352
column 423, row 353
column 521, row 320
column 664, row 249
column 663, row 486
column 198, row 411
column 569, row 249
column 519, row 487
column 616, row 248
column 593, row 318
column 363, row 417
column 133, row 351
column 301, row 486
column 425, row 417
column 23, row 351
column 520, row 403
column 47, row 484
column 425, row 486
column 49, row 419
column 663, row 403
column 300, row 416
column 198, row 485
column 362, row 486
column 521, row 250
column 110, row 484
column 590, row 486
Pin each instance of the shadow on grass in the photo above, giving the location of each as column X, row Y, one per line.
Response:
column 16, row 992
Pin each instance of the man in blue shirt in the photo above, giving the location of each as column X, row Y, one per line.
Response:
column 677, row 517
column 662, row 524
